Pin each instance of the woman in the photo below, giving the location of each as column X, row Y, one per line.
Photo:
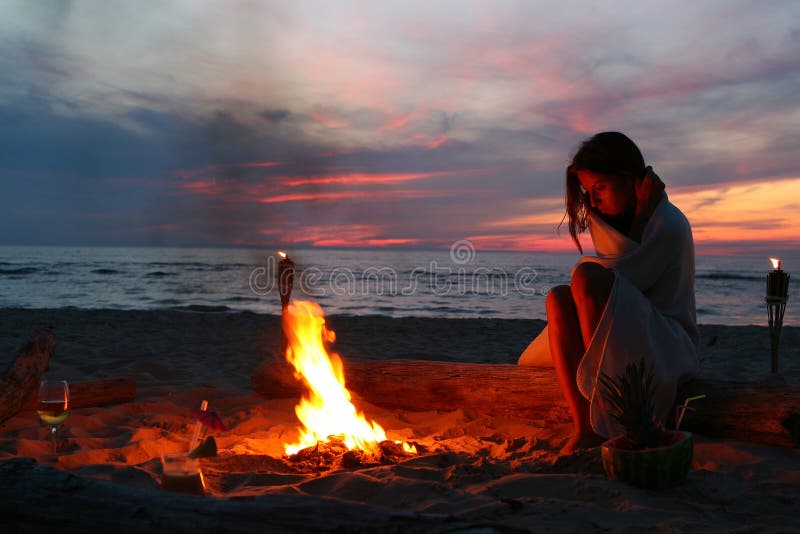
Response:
column 635, row 298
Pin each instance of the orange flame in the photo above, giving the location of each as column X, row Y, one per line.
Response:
column 328, row 410
column 776, row 263
column 282, row 254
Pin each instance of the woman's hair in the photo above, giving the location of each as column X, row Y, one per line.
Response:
column 611, row 153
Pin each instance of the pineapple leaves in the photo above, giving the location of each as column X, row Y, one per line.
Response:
column 630, row 402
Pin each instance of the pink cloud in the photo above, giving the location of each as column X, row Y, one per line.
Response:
column 524, row 241
column 436, row 142
column 249, row 164
column 340, row 235
column 359, row 178
column 404, row 194
column 364, row 243
column 395, row 123
column 204, row 187
column 378, row 178
column 328, row 119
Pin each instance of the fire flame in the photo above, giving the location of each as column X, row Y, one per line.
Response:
column 282, row 254
column 328, row 410
column 776, row 263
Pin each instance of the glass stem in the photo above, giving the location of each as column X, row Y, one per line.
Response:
column 53, row 437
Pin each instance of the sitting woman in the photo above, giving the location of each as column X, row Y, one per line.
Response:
column 634, row 299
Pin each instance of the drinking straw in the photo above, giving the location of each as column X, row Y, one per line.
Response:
column 685, row 406
column 679, row 416
column 203, row 407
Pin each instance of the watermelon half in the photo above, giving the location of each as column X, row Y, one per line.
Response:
column 656, row 468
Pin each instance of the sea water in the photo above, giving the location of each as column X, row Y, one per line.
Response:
column 446, row 283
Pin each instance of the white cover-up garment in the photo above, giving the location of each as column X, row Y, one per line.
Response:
column 650, row 312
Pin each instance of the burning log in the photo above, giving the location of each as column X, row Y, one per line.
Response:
column 745, row 411
column 22, row 378
column 333, row 453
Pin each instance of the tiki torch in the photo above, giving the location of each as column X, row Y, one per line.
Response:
column 285, row 276
column 777, row 293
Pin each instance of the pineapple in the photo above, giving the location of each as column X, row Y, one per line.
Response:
column 630, row 402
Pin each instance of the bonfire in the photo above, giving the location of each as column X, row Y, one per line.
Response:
column 327, row 413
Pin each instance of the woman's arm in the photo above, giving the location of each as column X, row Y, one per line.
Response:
column 649, row 191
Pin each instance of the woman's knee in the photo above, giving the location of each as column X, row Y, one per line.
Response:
column 558, row 302
column 591, row 280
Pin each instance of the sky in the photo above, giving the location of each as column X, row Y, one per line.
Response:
column 388, row 124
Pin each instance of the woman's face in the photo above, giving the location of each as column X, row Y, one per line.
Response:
column 611, row 196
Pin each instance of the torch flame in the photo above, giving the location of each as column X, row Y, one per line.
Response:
column 282, row 254
column 328, row 410
column 776, row 263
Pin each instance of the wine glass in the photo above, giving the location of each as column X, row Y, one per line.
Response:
column 53, row 405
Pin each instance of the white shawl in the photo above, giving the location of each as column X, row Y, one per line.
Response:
column 650, row 312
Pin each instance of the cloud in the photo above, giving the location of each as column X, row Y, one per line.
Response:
column 275, row 115
column 425, row 123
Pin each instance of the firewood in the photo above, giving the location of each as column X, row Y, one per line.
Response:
column 743, row 411
column 24, row 375
column 91, row 393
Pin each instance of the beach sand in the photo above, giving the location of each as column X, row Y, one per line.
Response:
column 480, row 473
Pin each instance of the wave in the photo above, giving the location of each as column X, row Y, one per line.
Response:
column 160, row 274
column 176, row 263
column 727, row 276
column 106, row 271
column 199, row 266
column 202, row 308
column 19, row 271
column 221, row 268
column 447, row 309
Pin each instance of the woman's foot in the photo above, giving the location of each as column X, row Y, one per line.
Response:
column 581, row 440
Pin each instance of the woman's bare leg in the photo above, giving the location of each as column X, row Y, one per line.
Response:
column 573, row 313
column 567, row 349
column 590, row 288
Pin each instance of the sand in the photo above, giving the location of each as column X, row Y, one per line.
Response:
column 478, row 473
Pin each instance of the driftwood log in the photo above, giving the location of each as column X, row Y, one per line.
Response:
column 743, row 411
column 22, row 378
column 90, row 393
column 36, row 498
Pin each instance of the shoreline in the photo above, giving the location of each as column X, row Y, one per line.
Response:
column 223, row 309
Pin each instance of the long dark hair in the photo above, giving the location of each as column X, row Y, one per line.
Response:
column 610, row 153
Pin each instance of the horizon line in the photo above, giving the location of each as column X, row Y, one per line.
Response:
column 702, row 250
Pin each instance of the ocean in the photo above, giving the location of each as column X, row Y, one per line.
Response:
column 456, row 283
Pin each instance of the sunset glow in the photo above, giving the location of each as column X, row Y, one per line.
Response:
column 423, row 124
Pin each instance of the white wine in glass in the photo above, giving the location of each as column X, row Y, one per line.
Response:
column 53, row 405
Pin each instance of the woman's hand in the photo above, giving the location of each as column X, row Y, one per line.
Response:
column 649, row 191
